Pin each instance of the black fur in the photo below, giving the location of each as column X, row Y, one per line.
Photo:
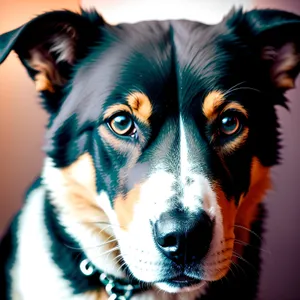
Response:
column 176, row 64
column 8, row 246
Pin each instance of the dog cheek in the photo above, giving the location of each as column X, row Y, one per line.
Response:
column 223, row 210
column 248, row 206
column 125, row 205
column 228, row 211
column 73, row 189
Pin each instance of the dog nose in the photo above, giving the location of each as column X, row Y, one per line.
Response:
column 183, row 237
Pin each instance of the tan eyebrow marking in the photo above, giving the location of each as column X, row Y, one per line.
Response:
column 211, row 103
column 115, row 108
column 140, row 105
column 214, row 100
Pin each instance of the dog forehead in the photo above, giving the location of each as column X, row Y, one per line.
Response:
column 161, row 59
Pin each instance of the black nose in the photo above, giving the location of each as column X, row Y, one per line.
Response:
column 183, row 237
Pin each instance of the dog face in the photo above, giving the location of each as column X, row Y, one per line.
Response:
column 163, row 129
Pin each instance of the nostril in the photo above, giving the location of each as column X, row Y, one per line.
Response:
column 168, row 241
column 167, row 236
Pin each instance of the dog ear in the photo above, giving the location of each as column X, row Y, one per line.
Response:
column 275, row 36
column 50, row 45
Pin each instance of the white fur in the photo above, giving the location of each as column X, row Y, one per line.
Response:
column 63, row 46
column 156, row 193
column 199, row 188
column 35, row 276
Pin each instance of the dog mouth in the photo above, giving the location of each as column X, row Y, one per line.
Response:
column 182, row 281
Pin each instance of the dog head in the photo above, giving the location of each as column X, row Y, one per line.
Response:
column 163, row 129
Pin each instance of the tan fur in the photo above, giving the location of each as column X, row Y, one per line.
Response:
column 284, row 60
column 113, row 141
column 211, row 103
column 124, row 207
column 247, row 211
column 47, row 76
column 214, row 100
column 237, row 221
column 80, row 189
column 126, row 148
column 42, row 83
column 77, row 197
column 140, row 105
column 235, row 144
column 97, row 295
column 228, row 210
column 114, row 109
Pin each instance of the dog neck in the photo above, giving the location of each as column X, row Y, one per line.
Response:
column 81, row 217
column 82, row 274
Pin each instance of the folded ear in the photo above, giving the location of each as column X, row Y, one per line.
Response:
column 50, row 45
column 275, row 35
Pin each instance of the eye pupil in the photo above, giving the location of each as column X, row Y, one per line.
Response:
column 122, row 124
column 229, row 124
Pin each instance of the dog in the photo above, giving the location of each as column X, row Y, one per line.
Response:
column 159, row 145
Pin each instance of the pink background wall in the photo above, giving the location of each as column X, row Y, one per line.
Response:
column 22, row 128
column 22, row 121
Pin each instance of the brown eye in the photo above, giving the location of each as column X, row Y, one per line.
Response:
column 122, row 124
column 229, row 124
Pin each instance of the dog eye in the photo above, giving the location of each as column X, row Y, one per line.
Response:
column 230, row 123
column 122, row 124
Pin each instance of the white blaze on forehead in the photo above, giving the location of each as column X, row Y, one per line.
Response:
column 193, row 192
column 184, row 162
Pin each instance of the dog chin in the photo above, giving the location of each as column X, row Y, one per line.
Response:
column 169, row 288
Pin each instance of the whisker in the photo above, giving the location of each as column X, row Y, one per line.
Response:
column 118, row 258
column 238, row 266
column 247, row 244
column 108, row 252
column 244, row 260
column 122, row 265
column 231, row 270
column 91, row 247
column 103, row 229
column 242, row 88
column 104, row 223
column 247, row 229
column 234, row 86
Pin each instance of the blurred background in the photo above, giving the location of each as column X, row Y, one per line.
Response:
column 22, row 124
